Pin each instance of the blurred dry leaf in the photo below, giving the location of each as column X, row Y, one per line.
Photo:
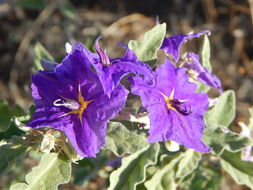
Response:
column 131, row 27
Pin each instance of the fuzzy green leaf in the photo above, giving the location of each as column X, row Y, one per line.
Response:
column 40, row 52
column 223, row 113
column 133, row 169
column 10, row 151
column 6, row 114
column 164, row 179
column 204, row 178
column 205, row 53
column 51, row 172
column 14, row 125
column 174, row 169
column 221, row 138
column 11, row 131
column 146, row 49
column 121, row 141
column 188, row 163
column 240, row 171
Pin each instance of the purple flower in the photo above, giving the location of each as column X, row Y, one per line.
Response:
column 111, row 71
column 202, row 73
column 172, row 44
column 175, row 110
column 71, row 99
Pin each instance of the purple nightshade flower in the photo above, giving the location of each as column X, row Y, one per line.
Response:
column 176, row 112
column 171, row 45
column 192, row 63
column 111, row 71
column 70, row 98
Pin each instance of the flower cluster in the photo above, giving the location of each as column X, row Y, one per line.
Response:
column 82, row 93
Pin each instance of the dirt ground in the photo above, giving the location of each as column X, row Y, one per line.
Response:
column 53, row 23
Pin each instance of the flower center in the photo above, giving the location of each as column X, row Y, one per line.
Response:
column 176, row 105
column 77, row 107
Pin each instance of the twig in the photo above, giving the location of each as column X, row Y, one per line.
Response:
column 251, row 10
column 22, row 49
column 210, row 11
column 43, row 16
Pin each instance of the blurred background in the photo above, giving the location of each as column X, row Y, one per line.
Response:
column 55, row 22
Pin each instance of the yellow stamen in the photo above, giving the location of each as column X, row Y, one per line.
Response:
column 168, row 99
column 83, row 105
column 71, row 112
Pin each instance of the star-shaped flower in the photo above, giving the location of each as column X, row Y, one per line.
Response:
column 70, row 97
column 176, row 112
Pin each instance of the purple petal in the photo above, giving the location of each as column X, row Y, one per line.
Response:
column 110, row 75
column 49, row 116
column 89, row 138
column 190, row 132
column 45, row 88
column 75, row 68
column 89, row 55
column 178, row 80
column 105, row 108
column 85, row 139
column 172, row 44
column 48, row 65
column 167, row 124
column 204, row 75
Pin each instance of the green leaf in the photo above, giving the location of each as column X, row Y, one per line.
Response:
column 31, row 4
column 10, row 151
column 146, row 49
column 205, row 53
column 164, row 179
column 177, row 168
column 51, row 172
column 11, row 131
column 223, row 113
column 221, row 138
column 121, row 141
column 69, row 12
column 188, row 163
column 240, row 171
column 15, row 124
column 40, row 52
column 133, row 169
column 6, row 114
column 204, row 178
column 67, row 9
